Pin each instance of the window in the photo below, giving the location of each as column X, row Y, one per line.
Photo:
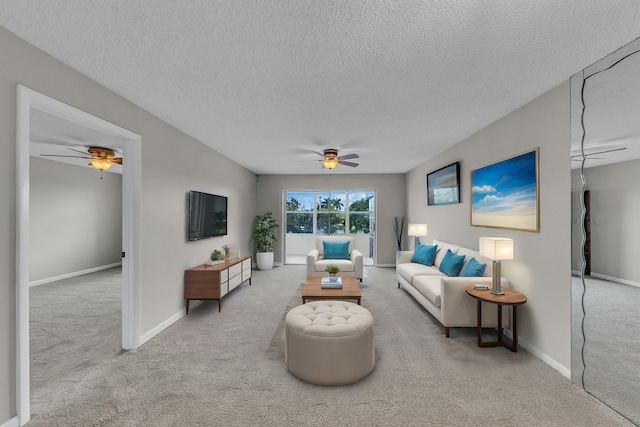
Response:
column 299, row 212
column 360, row 212
column 332, row 212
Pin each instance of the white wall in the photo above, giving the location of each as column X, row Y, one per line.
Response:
column 75, row 219
column 172, row 164
column 166, row 181
column 541, row 268
column 390, row 202
column 615, row 230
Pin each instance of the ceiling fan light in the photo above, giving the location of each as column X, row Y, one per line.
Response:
column 330, row 163
column 102, row 164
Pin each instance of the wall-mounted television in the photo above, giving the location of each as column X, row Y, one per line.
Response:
column 207, row 215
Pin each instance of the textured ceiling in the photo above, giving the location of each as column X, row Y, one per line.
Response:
column 266, row 82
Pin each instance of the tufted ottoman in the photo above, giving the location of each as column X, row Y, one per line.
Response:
column 329, row 342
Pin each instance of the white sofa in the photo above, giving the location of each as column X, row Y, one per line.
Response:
column 445, row 297
column 348, row 267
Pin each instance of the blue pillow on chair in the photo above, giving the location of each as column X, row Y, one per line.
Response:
column 424, row 254
column 451, row 263
column 473, row 269
column 335, row 250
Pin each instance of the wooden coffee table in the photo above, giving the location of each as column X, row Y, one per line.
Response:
column 313, row 291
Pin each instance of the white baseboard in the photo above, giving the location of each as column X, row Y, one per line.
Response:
column 170, row 321
column 564, row 371
column 615, row 279
column 13, row 422
column 254, row 266
column 609, row 278
column 74, row 274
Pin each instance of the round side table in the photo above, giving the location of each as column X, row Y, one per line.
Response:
column 510, row 298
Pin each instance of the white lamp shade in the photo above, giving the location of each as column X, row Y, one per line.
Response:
column 417, row 230
column 497, row 248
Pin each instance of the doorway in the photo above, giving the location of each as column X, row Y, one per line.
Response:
column 29, row 101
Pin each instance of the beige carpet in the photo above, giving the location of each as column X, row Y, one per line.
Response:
column 213, row 369
column 612, row 350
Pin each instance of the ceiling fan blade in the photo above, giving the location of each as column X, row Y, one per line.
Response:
column 64, row 155
column 349, row 156
column 600, row 152
column 319, row 154
column 78, row 151
column 353, row 165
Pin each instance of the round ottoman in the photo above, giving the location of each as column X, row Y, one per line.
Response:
column 329, row 342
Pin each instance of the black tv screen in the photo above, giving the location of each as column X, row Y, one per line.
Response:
column 207, row 215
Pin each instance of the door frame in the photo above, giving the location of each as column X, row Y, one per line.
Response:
column 28, row 99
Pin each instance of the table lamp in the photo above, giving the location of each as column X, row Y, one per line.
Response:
column 496, row 248
column 417, row 230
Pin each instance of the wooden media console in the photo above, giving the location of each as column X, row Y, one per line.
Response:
column 212, row 282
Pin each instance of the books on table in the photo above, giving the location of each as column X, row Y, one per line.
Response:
column 331, row 283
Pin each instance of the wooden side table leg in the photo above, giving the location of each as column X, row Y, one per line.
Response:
column 500, row 341
column 515, row 330
column 479, row 323
column 188, row 306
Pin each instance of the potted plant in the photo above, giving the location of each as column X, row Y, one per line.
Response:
column 332, row 269
column 216, row 257
column 264, row 236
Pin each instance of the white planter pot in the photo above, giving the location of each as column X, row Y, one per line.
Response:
column 264, row 260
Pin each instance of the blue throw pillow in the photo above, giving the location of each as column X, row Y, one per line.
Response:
column 424, row 254
column 451, row 263
column 473, row 269
column 336, row 250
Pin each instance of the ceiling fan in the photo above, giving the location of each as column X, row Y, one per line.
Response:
column 578, row 157
column 331, row 159
column 101, row 158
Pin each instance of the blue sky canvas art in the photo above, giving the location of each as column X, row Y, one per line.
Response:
column 505, row 194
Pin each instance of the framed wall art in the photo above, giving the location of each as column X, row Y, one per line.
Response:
column 506, row 194
column 443, row 185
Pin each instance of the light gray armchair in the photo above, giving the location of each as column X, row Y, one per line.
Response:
column 348, row 267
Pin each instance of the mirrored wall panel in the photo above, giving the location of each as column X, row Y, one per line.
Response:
column 605, row 158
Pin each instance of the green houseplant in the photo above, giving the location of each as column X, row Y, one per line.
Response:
column 264, row 235
column 216, row 255
column 332, row 269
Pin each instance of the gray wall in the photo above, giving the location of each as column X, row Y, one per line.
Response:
column 390, row 202
column 615, row 230
column 75, row 219
column 172, row 164
column 541, row 268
